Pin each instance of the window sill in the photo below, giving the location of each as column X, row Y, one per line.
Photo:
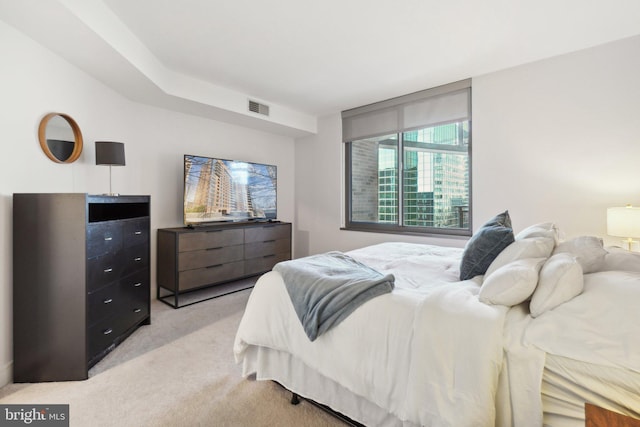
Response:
column 405, row 231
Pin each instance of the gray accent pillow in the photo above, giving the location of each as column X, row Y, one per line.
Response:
column 484, row 246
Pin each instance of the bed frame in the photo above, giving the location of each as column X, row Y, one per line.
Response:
column 295, row 400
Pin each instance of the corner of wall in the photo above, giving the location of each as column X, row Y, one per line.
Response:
column 6, row 374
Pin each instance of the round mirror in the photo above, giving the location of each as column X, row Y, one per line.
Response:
column 60, row 138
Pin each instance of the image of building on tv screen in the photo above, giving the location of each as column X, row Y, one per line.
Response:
column 228, row 190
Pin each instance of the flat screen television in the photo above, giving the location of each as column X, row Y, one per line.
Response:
column 220, row 190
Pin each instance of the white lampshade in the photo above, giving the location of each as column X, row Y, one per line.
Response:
column 623, row 222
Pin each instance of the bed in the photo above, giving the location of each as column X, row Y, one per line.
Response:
column 483, row 351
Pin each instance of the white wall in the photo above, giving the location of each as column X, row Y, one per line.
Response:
column 33, row 82
column 560, row 139
column 556, row 140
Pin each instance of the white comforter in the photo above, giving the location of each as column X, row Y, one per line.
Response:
column 429, row 352
column 600, row 326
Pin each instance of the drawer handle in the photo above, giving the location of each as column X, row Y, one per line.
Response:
column 137, row 233
column 269, row 256
column 137, row 310
column 213, row 231
column 137, row 259
column 108, row 331
column 135, row 285
column 108, row 270
column 215, row 266
column 108, row 239
column 269, row 241
column 215, row 249
column 108, row 301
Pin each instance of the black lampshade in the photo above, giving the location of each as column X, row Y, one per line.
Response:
column 110, row 153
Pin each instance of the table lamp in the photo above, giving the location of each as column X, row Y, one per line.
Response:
column 112, row 154
column 624, row 222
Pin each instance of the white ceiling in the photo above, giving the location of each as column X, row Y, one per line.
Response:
column 307, row 58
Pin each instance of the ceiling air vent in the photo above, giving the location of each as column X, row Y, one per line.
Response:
column 256, row 107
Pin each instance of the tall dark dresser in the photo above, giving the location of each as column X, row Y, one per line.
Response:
column 80, row 280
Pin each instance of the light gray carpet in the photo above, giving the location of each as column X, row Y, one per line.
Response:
column 178, row 371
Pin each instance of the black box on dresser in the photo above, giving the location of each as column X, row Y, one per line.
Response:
column 81, row 280
column 213, row 257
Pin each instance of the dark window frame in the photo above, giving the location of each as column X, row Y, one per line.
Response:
column 400, row 227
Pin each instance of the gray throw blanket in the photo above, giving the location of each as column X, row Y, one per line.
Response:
column 326, row 288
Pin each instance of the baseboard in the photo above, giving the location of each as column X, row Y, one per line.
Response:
column 6, row 374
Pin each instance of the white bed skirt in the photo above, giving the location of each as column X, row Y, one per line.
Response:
column 269, row 364
column 567, row 384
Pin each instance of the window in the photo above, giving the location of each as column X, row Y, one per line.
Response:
column 408, row 163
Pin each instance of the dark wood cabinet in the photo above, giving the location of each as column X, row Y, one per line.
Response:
column 211, row 257
column 80, row 280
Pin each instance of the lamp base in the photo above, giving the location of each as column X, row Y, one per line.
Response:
column 110, row 193
column 630, row 242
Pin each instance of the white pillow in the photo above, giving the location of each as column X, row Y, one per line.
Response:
column 512, row 283
column 534, row 247
column 543, row 229
column 588, row 250
column 621, row 260
column 560, row 280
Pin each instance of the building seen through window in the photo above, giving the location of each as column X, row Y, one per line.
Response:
column 435, row 178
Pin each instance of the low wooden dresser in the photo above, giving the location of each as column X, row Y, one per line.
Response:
column 213, row 257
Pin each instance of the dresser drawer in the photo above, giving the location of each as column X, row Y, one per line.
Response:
column 212, row 256
column 103, row 302
column 135, row 231
column 270, row 247
column 103, row 237
column 213, row 274
column 104, row 333
column 134, row 311
column 134, row 258
column 267, row 232
column 264, row 264
column 209, row 239
column 103, row 270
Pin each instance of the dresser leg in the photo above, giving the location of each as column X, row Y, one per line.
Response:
column 295, row 399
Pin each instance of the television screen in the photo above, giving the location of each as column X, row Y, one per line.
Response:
column 228, row 190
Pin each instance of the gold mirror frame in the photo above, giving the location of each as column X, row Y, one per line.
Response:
column 77, row 138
